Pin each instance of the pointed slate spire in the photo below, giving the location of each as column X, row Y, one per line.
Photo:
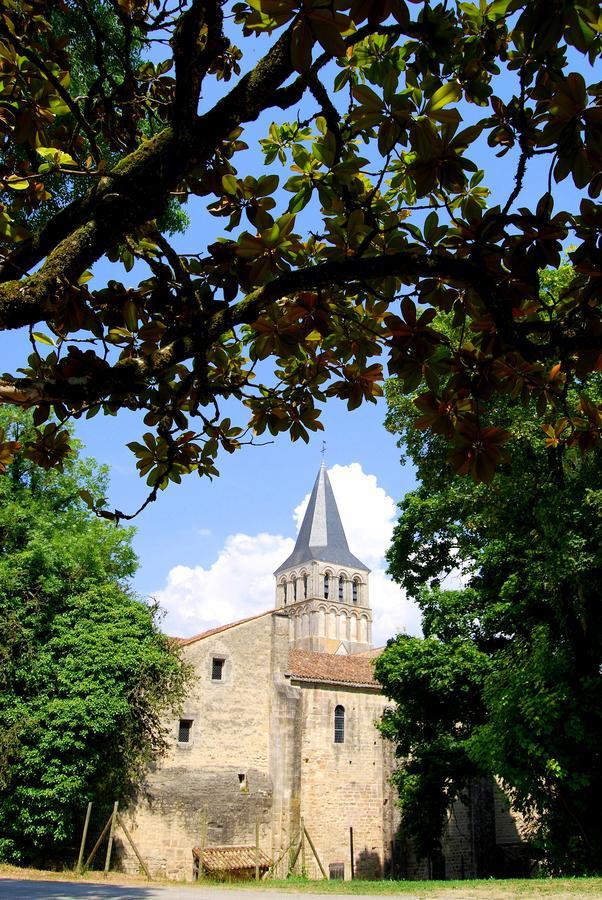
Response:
column 322, row 536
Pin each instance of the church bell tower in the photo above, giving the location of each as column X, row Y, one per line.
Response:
column 322, row 585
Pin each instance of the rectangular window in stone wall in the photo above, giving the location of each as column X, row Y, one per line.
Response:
column 184, row 731
column 336, row 871
column 217, row 668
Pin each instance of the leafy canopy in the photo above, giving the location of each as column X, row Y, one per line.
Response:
column 506, row 681
column 371, row 215
column 85, row 674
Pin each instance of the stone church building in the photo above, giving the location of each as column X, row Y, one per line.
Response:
column 278, row 729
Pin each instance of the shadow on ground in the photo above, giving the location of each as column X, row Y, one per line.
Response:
column 61, row 890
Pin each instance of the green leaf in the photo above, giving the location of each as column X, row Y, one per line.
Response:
column 447, row 93
column 17, row 184
column 58, row 157
column 42, row 338
column 230, row 185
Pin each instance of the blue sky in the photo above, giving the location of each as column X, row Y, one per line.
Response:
column 207, row 549
column 203, row 545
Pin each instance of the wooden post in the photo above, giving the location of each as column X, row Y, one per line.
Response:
column 134, row 848
column 257, row 849
column 82, row 847
column 203, row 841
column 111, row 835
column 315, row 853
column 296, row 855
column 303, row 861
column 98, row 842
column 351, row 852
column 277, row 862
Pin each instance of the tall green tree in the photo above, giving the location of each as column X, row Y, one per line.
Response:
column 85, row 673
column 369, row 214
column 507, row 679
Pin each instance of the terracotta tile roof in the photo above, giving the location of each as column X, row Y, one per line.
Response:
column 220, row 628
column 372, row 653
column 307, row 665
column 231, row 859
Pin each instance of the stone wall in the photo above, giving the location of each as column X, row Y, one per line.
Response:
column 482, row 839
column 262, row 750
column 219, row 783
column 345, row 785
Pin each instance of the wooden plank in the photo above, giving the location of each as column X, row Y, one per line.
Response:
column 134, row 847
column 111, row 835
column 257, row 849
column 315, row 853
column 82, row 846
column 203, row 844
column 296, row 854
column 272, row 868
column 98, row 842
column 351, row 853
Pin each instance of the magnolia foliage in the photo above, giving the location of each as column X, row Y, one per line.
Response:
column 368, row 225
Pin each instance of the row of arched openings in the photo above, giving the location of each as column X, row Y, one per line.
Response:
column 341, row 585
column 295, row 589
column 331, row 587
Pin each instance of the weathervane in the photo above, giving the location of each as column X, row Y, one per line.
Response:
column 323, row 450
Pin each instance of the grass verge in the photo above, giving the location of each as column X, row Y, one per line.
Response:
column 478, row 888
column 433, row 890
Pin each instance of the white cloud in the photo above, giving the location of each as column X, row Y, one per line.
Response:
column 368, row 515
column 367, row 512
column 392, row 612
column 240, row 582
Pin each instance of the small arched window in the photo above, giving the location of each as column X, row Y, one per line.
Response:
column 284, row 598
column 305, row 587
column 341, row 589
column 354, row 592
column 339, row 724
column 326, row 586
column 294, row 590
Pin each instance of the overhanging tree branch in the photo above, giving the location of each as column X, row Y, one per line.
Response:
column 321, row 267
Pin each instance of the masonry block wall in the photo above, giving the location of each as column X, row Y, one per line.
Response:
column 262, row 748
column 482, row 839
column 220, row 781
column 345, row 784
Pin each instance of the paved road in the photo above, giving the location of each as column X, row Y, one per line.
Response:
column 13, row 889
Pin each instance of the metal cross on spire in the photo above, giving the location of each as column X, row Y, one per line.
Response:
column 323, row 451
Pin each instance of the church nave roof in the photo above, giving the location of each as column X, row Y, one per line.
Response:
column 353, row 670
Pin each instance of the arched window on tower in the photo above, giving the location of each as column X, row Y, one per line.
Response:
column 326, row 585
column 284, row 598
column 341, row 589
column 305, row 587
column 339, row 724
column 295, row 589
column 354, row 592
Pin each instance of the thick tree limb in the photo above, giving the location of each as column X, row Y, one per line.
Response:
column 348, row 272
column 134, row 192
column 131, row 376
column 193, row 57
